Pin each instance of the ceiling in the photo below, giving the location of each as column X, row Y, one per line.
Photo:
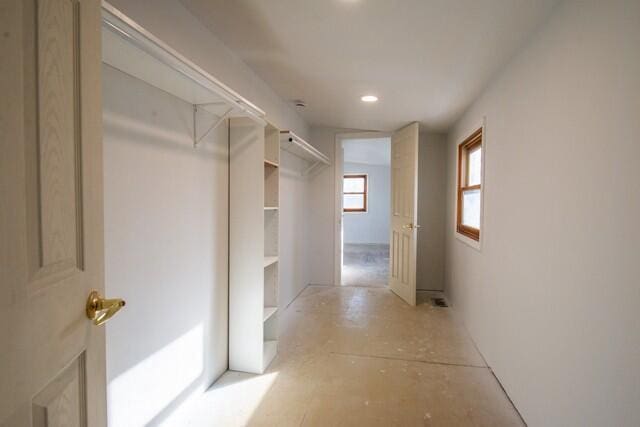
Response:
column 371, row 151
column 426, row 60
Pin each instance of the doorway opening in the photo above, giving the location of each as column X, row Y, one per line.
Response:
column 365, row 196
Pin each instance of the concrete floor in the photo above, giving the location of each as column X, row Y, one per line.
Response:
column 354, row 356
column 365, row 265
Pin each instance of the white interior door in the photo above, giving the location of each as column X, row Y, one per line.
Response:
column 52, row 369
column 404, row 212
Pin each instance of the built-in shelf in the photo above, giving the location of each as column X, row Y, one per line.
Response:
column 297, row 146
column 268, row 260
column 270, row 348
column 268, row 312
column 271, row 269
column 254, row 189
column 133, row 50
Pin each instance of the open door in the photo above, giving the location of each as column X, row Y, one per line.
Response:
column 404, row 212
column 52, row 357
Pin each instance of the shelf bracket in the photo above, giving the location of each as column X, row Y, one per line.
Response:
column 310, row 168
column 214, row 125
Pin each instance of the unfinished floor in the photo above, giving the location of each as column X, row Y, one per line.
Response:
column 365, row 264
column 354, row 356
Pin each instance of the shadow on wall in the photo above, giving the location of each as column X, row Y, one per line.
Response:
column 166, row 222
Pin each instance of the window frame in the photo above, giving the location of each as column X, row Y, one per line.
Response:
column 465, row 148
column 364, row 193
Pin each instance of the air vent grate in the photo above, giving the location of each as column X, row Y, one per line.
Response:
column 439, row 302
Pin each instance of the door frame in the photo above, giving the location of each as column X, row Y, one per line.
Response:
column 337, row 189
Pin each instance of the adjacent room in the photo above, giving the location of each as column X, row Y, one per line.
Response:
column 319, row 213
column 366, row 181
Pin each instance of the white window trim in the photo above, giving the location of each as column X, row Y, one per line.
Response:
column 475, row 244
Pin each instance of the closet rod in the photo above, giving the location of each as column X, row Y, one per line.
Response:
column 129, row 30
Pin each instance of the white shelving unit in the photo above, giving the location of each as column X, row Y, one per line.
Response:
column 268, row 312
column 271, row 242
column 269, row 260
column 297, row 146
column 253, row 245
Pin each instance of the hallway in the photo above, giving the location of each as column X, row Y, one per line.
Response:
column 357, row 356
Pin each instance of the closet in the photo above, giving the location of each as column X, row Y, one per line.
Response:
column 254, row 193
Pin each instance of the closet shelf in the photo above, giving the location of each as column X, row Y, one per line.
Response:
column 297, row 146
column 268, row 312
column 270, row 163
column 268, row 260
column 131, row 49
column 269, row 350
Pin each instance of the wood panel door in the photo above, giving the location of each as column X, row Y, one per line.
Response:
column 52, row 367
column 404, row 212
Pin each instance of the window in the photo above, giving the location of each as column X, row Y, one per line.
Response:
column 470, row 186
column 354, row 193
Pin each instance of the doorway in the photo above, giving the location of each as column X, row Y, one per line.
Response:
column 365, row 199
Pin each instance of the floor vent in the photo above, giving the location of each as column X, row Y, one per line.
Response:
column 439, row 302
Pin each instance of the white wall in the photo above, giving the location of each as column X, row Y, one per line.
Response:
column 294, row 225
column 166, row 250
column 552, row 298
column 431, row 211
column 371, row 226
column 322, row 196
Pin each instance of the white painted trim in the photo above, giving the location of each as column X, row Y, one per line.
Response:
column 365, row 135
column 477, row 245
column 337, row 189
column 297, row 295
column 337, row 220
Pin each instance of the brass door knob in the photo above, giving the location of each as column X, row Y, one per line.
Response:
column 100, row 309
column 411, row 226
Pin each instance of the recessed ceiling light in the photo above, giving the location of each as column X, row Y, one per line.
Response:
column 369, row 98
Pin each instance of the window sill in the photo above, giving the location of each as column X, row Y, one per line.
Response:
column 475, row 244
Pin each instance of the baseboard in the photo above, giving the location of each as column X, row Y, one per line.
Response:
column 297, row 295
column 473, row 341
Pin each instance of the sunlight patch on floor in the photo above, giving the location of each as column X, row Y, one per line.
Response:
column 139, row 394
column 231, row 401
